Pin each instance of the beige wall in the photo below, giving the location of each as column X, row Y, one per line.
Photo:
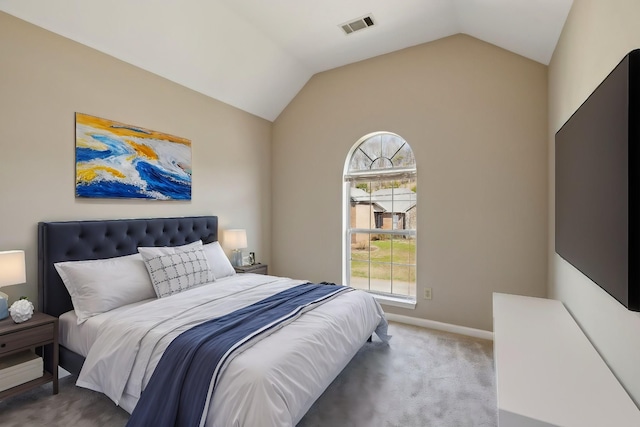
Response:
column 46, row 78
column 476, row 118
column 595, row 38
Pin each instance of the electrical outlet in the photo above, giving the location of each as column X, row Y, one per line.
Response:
column 427, row 293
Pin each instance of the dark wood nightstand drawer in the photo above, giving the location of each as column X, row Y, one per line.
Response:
column 255, row 269
column 30, row 337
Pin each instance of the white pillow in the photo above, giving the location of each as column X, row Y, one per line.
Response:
column 97, row 286
column 176, row 272
column 218, row 261
column 152, row 251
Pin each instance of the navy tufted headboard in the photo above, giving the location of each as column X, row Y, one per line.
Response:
column 83, row 240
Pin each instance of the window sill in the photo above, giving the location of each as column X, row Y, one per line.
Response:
column 395, row 301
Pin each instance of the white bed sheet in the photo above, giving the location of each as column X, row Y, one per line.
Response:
column 80, row 338
column 272, row 383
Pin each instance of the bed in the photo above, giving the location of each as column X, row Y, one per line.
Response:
column 273, row 382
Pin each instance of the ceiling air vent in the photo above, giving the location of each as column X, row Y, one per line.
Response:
column 358, row 24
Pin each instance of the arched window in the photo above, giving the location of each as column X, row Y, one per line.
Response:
column 380, row 216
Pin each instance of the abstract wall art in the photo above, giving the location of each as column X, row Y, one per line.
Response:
column 115, row 160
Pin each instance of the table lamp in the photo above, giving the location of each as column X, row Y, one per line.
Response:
column 236, row 240
column 12, row 272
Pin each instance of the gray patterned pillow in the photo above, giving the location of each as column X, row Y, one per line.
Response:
column 177, row 272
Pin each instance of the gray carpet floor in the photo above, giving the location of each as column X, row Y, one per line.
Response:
column 423, row 378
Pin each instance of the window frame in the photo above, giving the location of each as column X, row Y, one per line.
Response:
column 348, row 177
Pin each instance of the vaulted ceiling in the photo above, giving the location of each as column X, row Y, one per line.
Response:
column 256, row 54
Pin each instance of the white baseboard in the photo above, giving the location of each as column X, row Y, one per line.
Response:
column 440, row 326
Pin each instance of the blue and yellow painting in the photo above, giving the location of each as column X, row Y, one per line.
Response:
column 115, row 160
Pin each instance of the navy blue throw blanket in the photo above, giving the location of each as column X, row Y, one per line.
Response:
column 177, row 392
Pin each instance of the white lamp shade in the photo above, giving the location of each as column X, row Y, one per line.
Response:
column 12, row 268
column 235, row 239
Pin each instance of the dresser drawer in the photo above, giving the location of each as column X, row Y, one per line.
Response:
column 26, row 338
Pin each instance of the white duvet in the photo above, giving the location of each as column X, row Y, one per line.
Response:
column 272, row 383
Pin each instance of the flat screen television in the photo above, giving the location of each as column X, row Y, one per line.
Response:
column 597, row 181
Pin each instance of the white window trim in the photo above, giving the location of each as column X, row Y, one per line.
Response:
column 381, row 231
column 399, row 301
column 395, row 301
column 392, row 173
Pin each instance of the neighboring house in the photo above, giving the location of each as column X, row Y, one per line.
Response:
column 386, row 209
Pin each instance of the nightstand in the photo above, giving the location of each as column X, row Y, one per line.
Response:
column 255, row 268
column 41, row 331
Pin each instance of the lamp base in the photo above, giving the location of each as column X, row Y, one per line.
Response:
column 236, row 258
column 4, row 306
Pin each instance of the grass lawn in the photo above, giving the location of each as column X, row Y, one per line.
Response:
column 389, row 258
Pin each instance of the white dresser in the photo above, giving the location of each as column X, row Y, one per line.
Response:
column 548, row 373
